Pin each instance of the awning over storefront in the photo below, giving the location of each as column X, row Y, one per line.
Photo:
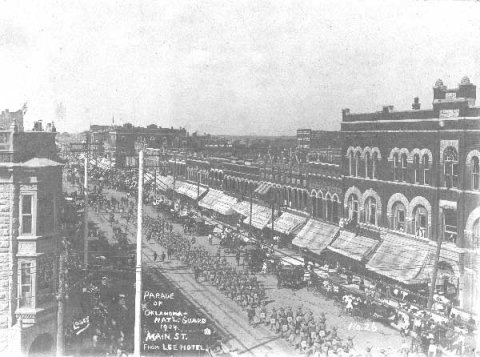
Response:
column 288, row 222
column 263, row 188
column 219, row 202
column 190, row 190
column 261, row 215
column 353, row 246
column 315, row 236
column 242, row 207
column 165, row 183
column 402, row 259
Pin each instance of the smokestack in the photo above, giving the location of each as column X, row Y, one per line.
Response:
column 416, row 104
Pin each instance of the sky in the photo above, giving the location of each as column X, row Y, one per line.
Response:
column 229, row 67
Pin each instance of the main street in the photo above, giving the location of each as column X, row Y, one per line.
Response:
column 241, row 337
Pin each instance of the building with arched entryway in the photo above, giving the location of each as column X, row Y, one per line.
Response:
column 415, row 174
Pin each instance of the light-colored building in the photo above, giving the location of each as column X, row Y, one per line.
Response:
column 30, row 198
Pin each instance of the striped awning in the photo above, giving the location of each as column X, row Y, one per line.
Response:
column 403, row 259
column 242, row 207
column 315, row 235
column 288, row 223
column 165, row 183
column 190, row 190
column 263, row 188
column 219, row 202
column 353, row 246
column 261, row 216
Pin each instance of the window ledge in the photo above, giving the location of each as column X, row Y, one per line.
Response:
column 31, row 315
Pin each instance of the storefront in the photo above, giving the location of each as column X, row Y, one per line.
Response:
column 220, row 205
column 286, row 225
column 190, row 190
column 314, row 238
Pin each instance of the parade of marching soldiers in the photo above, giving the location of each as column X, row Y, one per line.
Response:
column 238, row 266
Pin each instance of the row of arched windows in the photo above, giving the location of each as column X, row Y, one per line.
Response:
column 415, row 166
column 410, row 217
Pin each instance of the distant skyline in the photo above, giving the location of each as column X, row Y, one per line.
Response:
column 229, row 67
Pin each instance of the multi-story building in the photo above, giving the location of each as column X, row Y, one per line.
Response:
column 308, row 139
column 414, row 176
column 30, row 198
column 122, row 143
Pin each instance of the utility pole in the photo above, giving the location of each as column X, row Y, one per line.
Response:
column 85, row 212
column 61, row 303
column 138, row 269
column 251, row 206
column 433, row 283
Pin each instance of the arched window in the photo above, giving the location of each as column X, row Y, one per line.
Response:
column 371, row 211
column 357, row 164
column 475, row 173
column 476, row 234
column 374, row 165
column 329, row 203
column 350, row 163
column 417, row 172
column 336, row 203
column 396, row 167
column 367, row 165
column 320, row 207
column 353, row 208
column 426, row 170
column 420, row 219
column 399, row 217
column 314, row 206
column 450, row 167
column 404, row 167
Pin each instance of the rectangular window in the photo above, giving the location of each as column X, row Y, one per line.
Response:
column 26, row 223
column 26, row 284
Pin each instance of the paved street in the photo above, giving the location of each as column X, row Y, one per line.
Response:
column 243, row 338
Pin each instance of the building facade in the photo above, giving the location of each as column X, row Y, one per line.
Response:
column 30, row 199
column 416, row 173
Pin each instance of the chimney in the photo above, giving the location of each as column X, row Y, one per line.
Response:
column 416, row 104
column 387, row 109
column 345, row 112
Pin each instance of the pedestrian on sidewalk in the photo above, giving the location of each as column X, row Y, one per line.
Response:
column 163, row 256
column 210, row 239
column 155, row 256
column 237, row 258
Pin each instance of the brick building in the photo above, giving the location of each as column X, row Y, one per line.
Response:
column 30, row 197
column 413, row 176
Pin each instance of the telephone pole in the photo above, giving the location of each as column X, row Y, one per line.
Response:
column 85, row 213
column 61, row 303
column 138, row 268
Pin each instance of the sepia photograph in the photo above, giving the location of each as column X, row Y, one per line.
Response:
column 239, row 178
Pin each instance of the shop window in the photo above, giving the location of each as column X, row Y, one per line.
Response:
column 371, row 211
column 417, row 172
column 450, row 167
column 404, row 167
column 26, row 217
column 475, row 173
column 421, row 222
column 25, row 284
column 399, row 217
